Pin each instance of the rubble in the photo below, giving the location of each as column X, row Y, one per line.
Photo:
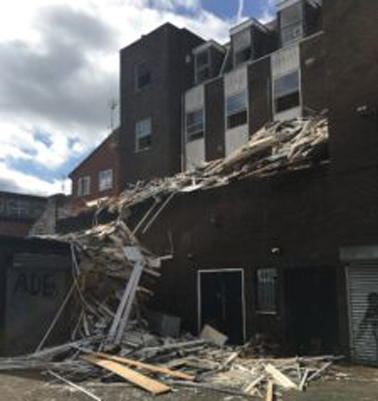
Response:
column 158, row 365
column 278, row 146
column 112, row 275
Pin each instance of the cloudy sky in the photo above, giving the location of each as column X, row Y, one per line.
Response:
column 59, row 70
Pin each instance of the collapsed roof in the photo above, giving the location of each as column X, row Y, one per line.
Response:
column 278, row 146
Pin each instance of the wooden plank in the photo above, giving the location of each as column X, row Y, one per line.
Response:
column 280, row 378
column 270, row 392
column 147, row 366
column 319, row 371
column 304, row 379
column 250, row 389
column 130, row 375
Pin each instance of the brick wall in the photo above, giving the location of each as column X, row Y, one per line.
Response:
column 104, row 157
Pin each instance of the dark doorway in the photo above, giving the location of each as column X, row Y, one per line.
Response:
column 221, row 305
column 310, row 310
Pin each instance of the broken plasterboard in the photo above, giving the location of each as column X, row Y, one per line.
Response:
column 208, row 333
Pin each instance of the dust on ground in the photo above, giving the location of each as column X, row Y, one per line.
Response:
column 352, row 384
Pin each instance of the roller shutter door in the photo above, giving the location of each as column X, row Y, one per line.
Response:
column 363, row 313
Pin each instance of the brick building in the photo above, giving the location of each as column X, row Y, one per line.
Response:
column 295, row 255
column 18, row 213
column 97, row 176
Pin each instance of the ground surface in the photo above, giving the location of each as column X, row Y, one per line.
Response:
column 361, row 384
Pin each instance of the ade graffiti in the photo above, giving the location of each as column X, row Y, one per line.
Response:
column 36, row 285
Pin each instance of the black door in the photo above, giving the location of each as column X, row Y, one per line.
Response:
column 221, row 303
column 310, row 310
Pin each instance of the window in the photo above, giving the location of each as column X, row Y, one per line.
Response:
column 286, row 92
column 242, row 46
column 203, row 66
column 195, row 125
column 2, row 206
column 17, row 208
column 84, row 186
column 142, row 75
column 267, row 290
column 236, row 109
column 291, row 23
column 105, row 180
column 143, row 134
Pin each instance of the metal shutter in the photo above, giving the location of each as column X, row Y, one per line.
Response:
column 362, row 281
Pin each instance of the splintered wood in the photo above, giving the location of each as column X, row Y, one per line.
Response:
column 140, row 380
column 157, row 365
column 113, row 276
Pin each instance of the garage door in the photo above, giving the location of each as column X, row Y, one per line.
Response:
column 363, row 313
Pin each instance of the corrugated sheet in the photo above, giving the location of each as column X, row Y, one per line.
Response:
column 362, row 282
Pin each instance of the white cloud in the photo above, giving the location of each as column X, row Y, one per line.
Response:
column 59, row 67
column 17, row 181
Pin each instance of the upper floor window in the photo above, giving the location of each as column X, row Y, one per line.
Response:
column 195, row 125
column 267, row 290
column 143, row 134
column 142, row 75
column 291, row 20
column 203, row 66
column 105, row 180
column 236, row 109
column 84, row 186
column 242, row 43
column 17, row 208
column 286, row 92
column 2, row 206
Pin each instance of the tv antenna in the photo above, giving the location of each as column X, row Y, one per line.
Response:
column 112, row 104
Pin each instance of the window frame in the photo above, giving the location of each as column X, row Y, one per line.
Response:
column 84, row 185
column 238, row 111
column 287, row 93
column 263, row 292
column 289, row 26
column 198, row 133
column 238, row 49
column 137, row 76
column 103, row 182
column 139, row 135
column 204, row 67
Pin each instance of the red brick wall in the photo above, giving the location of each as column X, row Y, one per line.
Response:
column 105, row 157
column 15, row 228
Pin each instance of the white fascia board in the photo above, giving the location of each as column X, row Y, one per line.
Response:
column 247, row 24
column 287, row 3
column 208, row 45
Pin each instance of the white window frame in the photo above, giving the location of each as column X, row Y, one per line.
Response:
column 260, row 309
column 296, row 25
column 105, row 180
column 191, row 135
column 241, row 48
column 237, row 111
column 84, row 186
column 202, row 67
column 288, row 92
column 140, row 134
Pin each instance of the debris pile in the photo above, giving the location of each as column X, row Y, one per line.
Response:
column 278, row 146
column 157, row 365
column 111, row 276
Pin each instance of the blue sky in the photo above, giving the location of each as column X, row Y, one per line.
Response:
column 229, row 8
column 59, row 68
